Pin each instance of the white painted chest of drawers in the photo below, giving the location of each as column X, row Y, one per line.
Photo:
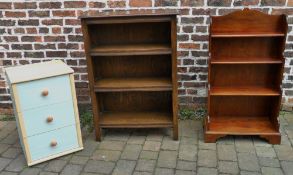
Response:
column 45, row 109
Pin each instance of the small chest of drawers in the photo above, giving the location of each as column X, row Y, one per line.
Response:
column 45, row 109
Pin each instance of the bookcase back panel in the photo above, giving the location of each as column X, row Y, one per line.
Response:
column 250, row 106
column 132, row 66
column 135, row 101
column 264, row 75
column 248, row 21
column 130, row 33
column 255, row 47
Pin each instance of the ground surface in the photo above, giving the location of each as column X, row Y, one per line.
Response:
column 153, row 151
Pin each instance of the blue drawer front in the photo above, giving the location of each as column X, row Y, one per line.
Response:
column 39, row 145
column 35, row 120
column 30, row 93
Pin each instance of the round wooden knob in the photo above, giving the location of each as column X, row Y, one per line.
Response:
column 49, row 119
column 53, row 143
column 45, row 92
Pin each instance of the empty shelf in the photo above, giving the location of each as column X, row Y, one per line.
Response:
column 244, row 91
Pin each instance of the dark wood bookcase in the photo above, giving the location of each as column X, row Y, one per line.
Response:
column 245, row 75
column 132, row 69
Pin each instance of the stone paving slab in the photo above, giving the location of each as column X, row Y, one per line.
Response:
column 153, row 152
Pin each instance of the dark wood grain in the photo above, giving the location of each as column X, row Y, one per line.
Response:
column 245, row 74
column 132, row 67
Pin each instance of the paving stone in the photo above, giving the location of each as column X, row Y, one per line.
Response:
column 249, row 173
column 228, row 140
column 80, row 160
column 71, row 169
column 169, row 144
column 65, row 157
column 207, row 158
column 188, row 152
column 117, row 134
column 55, row 165
column 8, row 173
column 271, row 171
column 152, row 146
column 155, row 135
column 91, row 174
column 227, row 152
column 228, row 167
column 260, row 142
column 189, row 140
column 106, row 155
column 145, row 165
column 164, row 171
column 112, row 145
column 141, row 173
column 17, row 164
column 89, row 147
column 244, row 144
column 95, row 166
column 186, row 165
column 207, row 171
column 11, row 152
column 124, row 167
column 209, row 146
column 11, row 138
column 248, row 162
column 265, row 152
column 284, row 152
column 287, row 167
column 3, row 163
column 182, row 172
column 30, row 171
column 136, row 139
column 148, row 155
column 269, row 162
column 48, row 173
column 3, row 147
column 167, row 159
column 131, row 152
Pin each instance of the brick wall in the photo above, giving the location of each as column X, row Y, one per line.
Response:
column 34, row 31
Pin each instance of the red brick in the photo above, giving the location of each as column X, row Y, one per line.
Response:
column 39, row 13
column 246, row 2
column 116, row 4
column 13, row 54
column 77, row 54
column 225, row 3
column 192, row 3
column 56, row 54
column 31, row 30
column 44, row 46
column 56, row 30
column 64, row 13
column 31, row 39
column 273, row 2
column 164, row 3
column 10, row 38
column 287, row 11
column 189, row 46
column 5, row 5
column 50, row 22
column 7, row 22
column 29, row 22
column 14, row 14
column 97, row 4
column 72, row 22
column 54, row 38
column 290, row 3
column 74, row 4
column 140, row 3
column 34, row 54
column 25, row 5
column 50, row 5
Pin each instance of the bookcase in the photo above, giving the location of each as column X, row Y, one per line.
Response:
column 245, row 75
column 132, row 69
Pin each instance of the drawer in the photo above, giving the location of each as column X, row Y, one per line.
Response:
column 40, row 145
column 48, row 118
column 30, row 93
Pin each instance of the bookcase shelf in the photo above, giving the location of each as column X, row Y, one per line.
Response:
column 131, row 62
column 245, row 74
column 133, row 84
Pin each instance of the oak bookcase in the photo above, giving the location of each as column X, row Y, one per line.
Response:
column 132, row 72
column 245, row 75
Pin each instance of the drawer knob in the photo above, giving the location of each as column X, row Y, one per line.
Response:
column 53, row 143
column 49, row 119
column 45, row 92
